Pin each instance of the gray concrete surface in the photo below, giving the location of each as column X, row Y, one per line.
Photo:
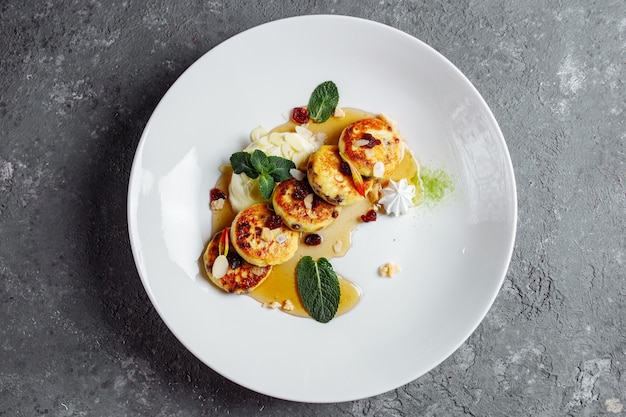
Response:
column 78, row 81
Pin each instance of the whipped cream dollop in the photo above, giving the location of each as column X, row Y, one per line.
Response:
column 397, row 197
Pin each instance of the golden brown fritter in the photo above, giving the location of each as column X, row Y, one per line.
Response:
column 300, row 208
column 260, row 237
column 370, row 141
column 332, row 182
column 241, row 277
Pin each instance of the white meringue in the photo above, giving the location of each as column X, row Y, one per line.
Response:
column 398, row 197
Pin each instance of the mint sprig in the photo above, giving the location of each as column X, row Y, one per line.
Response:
column 323, row 101
column 319, row 289
column 268, row 169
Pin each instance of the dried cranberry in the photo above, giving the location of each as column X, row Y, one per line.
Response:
column 370, row 216
column 313, row 239
column 300, row 115
column 371, row 141
column 217, row 194
column 273, row 221
column 344, row 168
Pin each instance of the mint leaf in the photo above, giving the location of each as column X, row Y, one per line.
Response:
column 266, row 185
column 269, row 170
column 241, row 162
column 259, row 161
column 279, row 168
column 319, row 289
column 323, row 101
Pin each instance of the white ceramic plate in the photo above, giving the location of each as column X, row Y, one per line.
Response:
column 453, row 256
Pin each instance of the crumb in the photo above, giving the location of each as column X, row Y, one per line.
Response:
column 375, row 194
column 339, row 112
column 217, row 205
column 337, row 246
column 287, row 305
column 273, row 304
column 388, row 270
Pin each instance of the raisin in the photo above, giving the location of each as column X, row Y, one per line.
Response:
column 217, row 194
column 300, row 190
column 273, row 221
column 234, row 260
column 344, row 168
column 370, row 216
column 300, row 115
column 316, row 202
column 313, row 239
column 371, row 141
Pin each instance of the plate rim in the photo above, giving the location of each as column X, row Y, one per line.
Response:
column 133, row 182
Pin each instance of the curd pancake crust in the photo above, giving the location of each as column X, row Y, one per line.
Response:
column 241, row 277
column 329, row 181
column 368, row 141
column 300, row 208
column 260, row 237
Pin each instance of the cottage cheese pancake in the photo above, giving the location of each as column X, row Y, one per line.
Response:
column 373, row 146
column 301, row 209
column 260, row 237
column 241, row 276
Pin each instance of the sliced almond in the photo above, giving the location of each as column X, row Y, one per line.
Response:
column 276, row 138
column 286, row 150
column 304, row 132
column 297, row 174
column 258, row 133
column 379, row 169
column 299, row 158
column 308, row 201
column 295, row 141
column 339, row 112
column 257, row 270
column 220, row 267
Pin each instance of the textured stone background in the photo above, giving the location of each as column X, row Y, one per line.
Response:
column 78, row 81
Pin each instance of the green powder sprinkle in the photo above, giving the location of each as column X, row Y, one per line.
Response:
column 435, row 185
